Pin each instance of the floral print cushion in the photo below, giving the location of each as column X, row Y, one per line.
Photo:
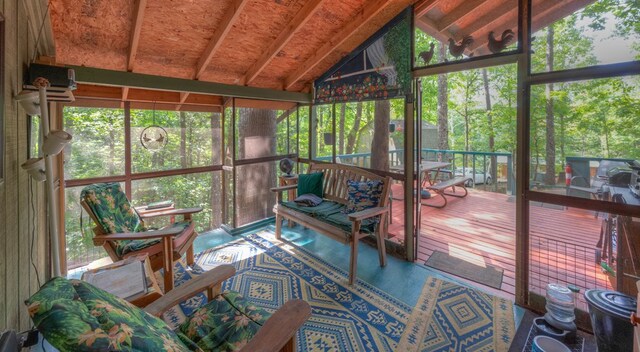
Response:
column 116, row 215
column 226, row 323
column 363, row 195
column 112, row 208
column 126, row 246
column 75, row 316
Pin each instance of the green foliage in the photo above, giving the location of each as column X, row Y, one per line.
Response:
column 397, row 43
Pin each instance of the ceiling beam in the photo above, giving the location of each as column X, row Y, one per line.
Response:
column 183, row 98
column 89, row 91
column 545, row 13
column 125, row 95
column 506, row 9
column 459, row 13
column 357, row 22
column 421, row 8
column 299, row 20
column 138, row 16
column 104, row 77
column 429, row 27
column 230, row 17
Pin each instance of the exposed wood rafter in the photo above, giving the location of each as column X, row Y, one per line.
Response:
column 543, row 14
column 230, row 17
column 138, row 17
column 357, row 22
column 125, row 95
column 506, row 9
column 428, row 26
column 459, row 13
column 183, row 98
column 299, row 20
column 424, row 6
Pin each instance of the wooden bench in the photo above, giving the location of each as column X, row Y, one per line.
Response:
column 440, row 189
column 351, row 228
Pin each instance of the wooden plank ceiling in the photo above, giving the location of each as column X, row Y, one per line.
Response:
column 277, row 44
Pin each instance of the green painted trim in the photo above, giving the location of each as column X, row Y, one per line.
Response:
column 138, row 80
column 248, row 227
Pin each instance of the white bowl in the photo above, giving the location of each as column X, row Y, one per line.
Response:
column 548, row 344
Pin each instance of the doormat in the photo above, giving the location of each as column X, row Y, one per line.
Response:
column 450, row 317
column 489, row 275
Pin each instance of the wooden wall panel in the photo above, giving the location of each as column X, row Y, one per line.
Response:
column 22, row 202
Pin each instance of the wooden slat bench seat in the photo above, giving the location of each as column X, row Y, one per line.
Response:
column 441, row 187
column 328, row 219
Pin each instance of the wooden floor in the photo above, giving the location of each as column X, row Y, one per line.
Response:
column 480, row 228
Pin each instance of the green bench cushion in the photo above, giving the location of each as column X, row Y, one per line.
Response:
column 333, row 213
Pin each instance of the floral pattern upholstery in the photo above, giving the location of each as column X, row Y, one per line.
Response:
column 226, row 323
column 363, row 195
column 115, row 214
column 75, row 316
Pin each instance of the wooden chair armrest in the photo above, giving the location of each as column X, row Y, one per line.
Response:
column 284, row 188
column 172, row 231
column 206, row 281
column 280, row 327
column 367, row 213
column 171, row 212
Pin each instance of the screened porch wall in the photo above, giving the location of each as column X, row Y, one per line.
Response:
column 107, row 147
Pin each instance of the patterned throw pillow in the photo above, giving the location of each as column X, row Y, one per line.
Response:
column 362, row 195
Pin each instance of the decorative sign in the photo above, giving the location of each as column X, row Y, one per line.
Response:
column 379, row 69
column 154, row 138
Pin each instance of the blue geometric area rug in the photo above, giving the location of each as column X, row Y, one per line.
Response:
column 450, row 317
column 271, row 272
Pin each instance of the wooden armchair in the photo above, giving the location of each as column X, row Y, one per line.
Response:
column 73, row 315
column 120, row 229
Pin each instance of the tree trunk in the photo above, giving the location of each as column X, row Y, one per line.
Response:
column 550, row 173
column 216, row 180
column 487, row 99
column 343, row 113
column 380, row 141
column 257, row 138
column 351, row 138
column 183, row 140
column 443, row 106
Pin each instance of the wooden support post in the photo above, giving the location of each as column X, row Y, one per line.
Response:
column 167, row 257
column 353, row 262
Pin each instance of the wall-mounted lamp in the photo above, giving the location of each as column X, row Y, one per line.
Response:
column 35, row 168
column 392, row 127
column 30, row 101
column 55, row 141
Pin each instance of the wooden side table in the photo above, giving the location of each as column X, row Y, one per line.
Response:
column 153, row 290
column 291, row 194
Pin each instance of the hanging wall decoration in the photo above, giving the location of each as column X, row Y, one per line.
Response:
column 154, row 137
column 380, row 68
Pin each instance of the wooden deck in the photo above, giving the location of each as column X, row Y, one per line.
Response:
column 480, row 228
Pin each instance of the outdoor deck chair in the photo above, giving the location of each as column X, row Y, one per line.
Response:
column 73, row 315
column 121, row 231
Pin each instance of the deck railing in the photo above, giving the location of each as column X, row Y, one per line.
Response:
column 465, row 162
